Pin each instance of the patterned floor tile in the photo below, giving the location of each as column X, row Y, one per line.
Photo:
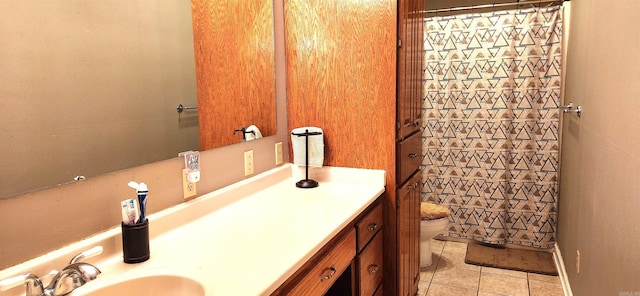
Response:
column 442, row 290
column 502, row 284
column 507, row 272
column 539, row 288
column 455, row 277
column 544, row 278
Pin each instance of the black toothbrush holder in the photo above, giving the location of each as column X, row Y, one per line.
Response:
column 306, row 182
column 135, row 242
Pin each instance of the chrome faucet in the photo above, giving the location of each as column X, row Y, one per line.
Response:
column 244, row 133
column 34, row 285
column 71, row 277
column 74, row 275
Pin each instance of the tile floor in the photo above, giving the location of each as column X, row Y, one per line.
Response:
column 449, row 275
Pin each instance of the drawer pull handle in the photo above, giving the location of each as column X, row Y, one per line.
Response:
column 372, row 226
column 413, row 155
column 332, row 272
column 373, row 268
column 413, row 186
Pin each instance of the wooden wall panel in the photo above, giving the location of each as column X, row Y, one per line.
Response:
column 341, row 77
column 342, row 65
column 235, row 70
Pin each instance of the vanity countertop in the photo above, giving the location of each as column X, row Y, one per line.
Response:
column 243, row 239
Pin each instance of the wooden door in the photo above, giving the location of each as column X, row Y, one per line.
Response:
column 408, row 232
column 235, row 68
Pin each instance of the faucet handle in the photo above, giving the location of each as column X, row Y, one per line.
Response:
column 33, row 284
column 95, row 251
column 22, row 279
column 15, row 281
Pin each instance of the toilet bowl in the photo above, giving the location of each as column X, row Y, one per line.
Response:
column 434, row 220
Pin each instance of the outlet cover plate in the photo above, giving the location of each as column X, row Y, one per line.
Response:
column 279, row 153
column 188, row 188
column 248, row 163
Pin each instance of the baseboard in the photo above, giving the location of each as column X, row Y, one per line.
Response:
column 562, row 272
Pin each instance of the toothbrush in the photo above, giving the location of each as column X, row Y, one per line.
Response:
column 125, row 213
column 142, row 200
column 132, row 209
column 142, row 191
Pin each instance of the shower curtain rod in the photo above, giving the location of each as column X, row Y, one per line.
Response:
column 494, row 5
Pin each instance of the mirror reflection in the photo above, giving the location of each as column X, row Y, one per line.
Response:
column 235, row 64
column 91, row 87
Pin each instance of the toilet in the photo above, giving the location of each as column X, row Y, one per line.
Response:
column 434, row 220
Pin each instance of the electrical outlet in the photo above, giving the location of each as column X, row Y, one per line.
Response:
column 278, row 153
column 577, row 261
column 188, row 188
column 248, row 163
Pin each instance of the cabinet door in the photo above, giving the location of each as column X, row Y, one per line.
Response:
column 409, row 235
column 370, row 267
column 410, row 55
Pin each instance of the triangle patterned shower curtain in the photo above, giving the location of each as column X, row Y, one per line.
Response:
column 492, row 85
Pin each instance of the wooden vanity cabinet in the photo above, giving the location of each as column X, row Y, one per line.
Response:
column 369, row 261
column 354, row 69
column 349, row 264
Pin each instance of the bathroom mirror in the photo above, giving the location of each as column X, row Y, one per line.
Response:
column 91, row 87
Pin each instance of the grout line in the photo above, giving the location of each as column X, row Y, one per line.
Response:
column 479, row 279
column 528, row 285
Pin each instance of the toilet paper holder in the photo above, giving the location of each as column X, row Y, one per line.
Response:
column 306, row 182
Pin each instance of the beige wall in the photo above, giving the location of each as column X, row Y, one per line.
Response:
column 35, row 223
column 600, row 171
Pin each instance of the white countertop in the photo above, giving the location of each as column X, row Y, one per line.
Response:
column 244, row 239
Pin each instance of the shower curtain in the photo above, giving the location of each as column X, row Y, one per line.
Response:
column 492, row 85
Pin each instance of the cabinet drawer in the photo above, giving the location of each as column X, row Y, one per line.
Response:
column 370, row 266
column 409, row 157
column 328, row 268
column 368, row 227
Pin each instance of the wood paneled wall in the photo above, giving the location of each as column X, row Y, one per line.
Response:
column 341, row 77
column 234, row 51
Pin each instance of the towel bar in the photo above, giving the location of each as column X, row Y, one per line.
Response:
column 569, row 109
column 181, row 108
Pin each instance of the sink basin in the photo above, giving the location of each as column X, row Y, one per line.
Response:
column 157, row 285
